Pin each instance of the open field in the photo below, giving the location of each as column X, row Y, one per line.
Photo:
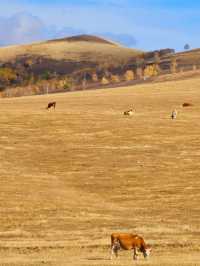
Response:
column 71, row 177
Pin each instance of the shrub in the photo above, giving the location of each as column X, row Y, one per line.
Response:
column 67, row 83
column 46, row 75
column 104, row 81
column 129, row 75
column 150, row 71
column 115, row 78
column 66, row 86
column 7, row 75
column 94, row 77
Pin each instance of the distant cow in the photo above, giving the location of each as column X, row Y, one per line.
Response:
column 129, row 112
column 187, row 104
column 128, row 241
column 174, row 114
column 51, row 104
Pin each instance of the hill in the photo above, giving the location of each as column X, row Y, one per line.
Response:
column 83, row 38
column 71, row 177
column 77, row 48
column 67, row 62
column 87, row 62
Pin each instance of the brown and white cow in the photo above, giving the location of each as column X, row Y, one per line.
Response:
column 51, row 104
column 174, row 114
column 127, row 241
column 129, row 112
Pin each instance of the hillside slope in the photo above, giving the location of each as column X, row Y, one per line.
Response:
column 85, row 61
column 66, row 62
column 71, row 177
column 77, row 48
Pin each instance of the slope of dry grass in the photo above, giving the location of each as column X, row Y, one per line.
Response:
column 70, row 50
column 72, row 176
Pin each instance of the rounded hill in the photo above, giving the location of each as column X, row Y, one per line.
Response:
column 76, row 48
column 68, row 61
column 83, row 38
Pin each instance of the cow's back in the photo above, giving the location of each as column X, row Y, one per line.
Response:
column 127, row 241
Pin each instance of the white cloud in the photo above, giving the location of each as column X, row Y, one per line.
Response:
column 24, row 28
column 21, row 28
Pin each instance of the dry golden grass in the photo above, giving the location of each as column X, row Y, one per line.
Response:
column 72, row 176
column 178, row 76
column 77, row 51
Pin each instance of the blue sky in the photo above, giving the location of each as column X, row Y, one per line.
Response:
column 143, row 24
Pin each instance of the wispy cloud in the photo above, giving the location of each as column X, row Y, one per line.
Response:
column 22, row 28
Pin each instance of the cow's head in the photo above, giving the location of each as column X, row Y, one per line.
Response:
column 116, row 245
column 147, row 252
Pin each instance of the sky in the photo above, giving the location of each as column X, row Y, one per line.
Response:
column 141, row 24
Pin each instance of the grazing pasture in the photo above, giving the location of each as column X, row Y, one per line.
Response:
column 70, row 178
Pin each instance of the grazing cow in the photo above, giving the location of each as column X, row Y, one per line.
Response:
column 187, row 104
column 174, row 114
column 129, row 112
column 51, row 104
column 128, row 241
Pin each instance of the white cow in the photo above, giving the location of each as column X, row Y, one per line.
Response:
column 174, row 114
column 129, row 112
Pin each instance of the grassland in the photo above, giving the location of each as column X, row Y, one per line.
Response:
column 77, row 50
column 72, row 176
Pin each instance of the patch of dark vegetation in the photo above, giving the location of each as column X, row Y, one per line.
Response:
column 160, row 53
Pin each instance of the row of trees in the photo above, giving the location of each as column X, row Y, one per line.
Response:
column 9, row 80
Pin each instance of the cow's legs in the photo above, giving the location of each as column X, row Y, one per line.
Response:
column 114, row 250
column 135, row 254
